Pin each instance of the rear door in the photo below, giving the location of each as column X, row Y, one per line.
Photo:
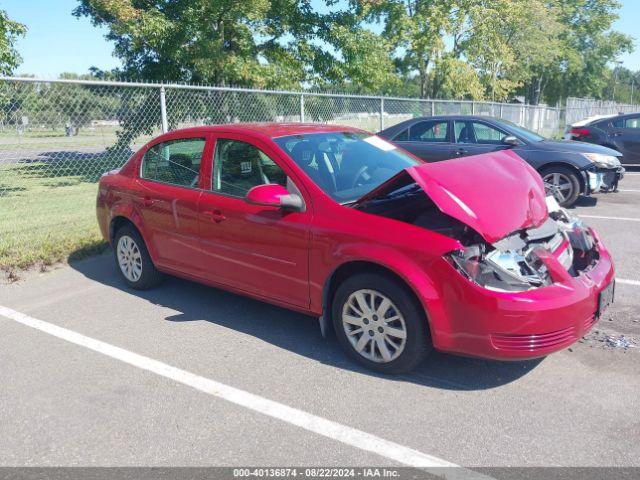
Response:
column 473, row 137
column 256, row 249
column 626, row 137
column 430, row 140
column 168, row 191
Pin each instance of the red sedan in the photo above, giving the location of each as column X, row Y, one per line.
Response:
column 400, row 257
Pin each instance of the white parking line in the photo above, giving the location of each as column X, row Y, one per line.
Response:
column 628, row 190
column 628, row 282
column 627, row 219
column 321, row 426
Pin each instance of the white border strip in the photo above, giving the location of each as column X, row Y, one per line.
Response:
column 628, row 282
column 628, row 219
column 321, row 426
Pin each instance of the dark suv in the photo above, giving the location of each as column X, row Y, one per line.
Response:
column 567, row 168
column 620, row 132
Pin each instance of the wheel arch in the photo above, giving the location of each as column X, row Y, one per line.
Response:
column 559, row 163
column 355, row 266
column 117, row 223
column 121, row 218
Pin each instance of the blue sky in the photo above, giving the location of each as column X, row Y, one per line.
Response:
column 58, row 42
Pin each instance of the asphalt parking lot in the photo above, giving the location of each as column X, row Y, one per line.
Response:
column 257, row 385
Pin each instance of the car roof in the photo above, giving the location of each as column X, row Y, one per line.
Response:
column 592, row 119
column 270, row 129
column 456, row 117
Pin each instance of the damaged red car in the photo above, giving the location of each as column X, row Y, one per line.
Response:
column 396, row 256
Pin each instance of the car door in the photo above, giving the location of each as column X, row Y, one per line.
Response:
column 430, row 140
column 167, row 195
column 260, row 250
column 626, row 137
column 474, row 137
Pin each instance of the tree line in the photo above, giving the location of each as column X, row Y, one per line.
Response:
column 541, row 50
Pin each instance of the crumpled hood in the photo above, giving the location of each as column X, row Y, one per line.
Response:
column 494, row 193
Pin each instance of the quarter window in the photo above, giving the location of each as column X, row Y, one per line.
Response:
column 239, row 166
column 176, row 162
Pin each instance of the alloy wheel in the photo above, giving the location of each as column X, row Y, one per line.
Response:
column 559, row 185
column 374, row 326
column 129, row 258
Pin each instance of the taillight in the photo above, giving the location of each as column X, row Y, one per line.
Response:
column 580, row 132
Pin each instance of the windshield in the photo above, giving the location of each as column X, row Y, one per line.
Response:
column 521, row 131
column 346, row 165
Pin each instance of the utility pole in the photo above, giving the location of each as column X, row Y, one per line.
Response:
column 615, row 78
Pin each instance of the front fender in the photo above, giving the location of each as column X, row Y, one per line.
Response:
column 410, row 270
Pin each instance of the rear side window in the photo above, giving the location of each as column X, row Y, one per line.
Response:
column 632, row 122
column 176, row 162
column 429, row 131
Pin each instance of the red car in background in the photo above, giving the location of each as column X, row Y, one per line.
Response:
column 401, row 257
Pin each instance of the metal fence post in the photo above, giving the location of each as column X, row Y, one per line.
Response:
column 433, row 108
column 163, row 111
column 501, row 110
column 473, row 107
column 301, row 108
column 381, row 113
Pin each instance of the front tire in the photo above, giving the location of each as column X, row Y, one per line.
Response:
column 133, row 260
column 380, row 324
column 563, row 183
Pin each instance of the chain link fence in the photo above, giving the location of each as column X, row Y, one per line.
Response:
column 582, row 108
column 58, row 136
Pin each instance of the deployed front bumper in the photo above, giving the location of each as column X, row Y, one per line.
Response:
column 517, row 325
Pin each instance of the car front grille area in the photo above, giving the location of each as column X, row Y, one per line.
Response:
column 588, row 323
column 542, row 341
column 535, row 342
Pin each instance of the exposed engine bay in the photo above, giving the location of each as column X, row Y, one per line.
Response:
column 517, row 262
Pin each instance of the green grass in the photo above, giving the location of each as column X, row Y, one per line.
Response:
column 44, row 220
column 53, row 139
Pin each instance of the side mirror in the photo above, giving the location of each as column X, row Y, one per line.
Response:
column 512, row 141
column 274, row 195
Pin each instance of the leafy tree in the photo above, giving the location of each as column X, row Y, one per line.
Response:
column 623, row 86
column 415, row 29
column 543, row 49
column 9, row 33
column 507, row 41
column 588, row 45
column 220, row 42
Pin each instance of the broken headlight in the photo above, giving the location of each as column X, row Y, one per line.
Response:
column 500, row 270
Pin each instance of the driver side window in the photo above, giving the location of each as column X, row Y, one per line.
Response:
column 487, row 134
column 239, row 166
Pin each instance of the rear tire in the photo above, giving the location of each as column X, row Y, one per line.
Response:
column 133, row 260
column 380, row 324
column 563, row 183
